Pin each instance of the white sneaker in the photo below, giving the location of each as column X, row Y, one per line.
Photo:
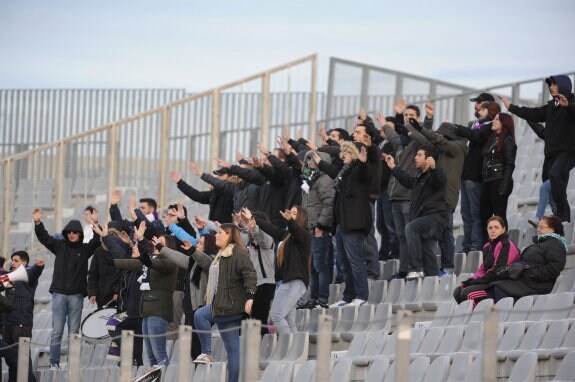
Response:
column 204, row 358
column 338, row 304
column 356, row 302
column 414, row 275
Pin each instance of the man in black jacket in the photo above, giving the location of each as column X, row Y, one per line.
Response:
column 69, row 286
column 428, row 210
column 18, row 321
column 559, row 135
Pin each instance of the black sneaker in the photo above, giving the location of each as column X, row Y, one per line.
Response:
column 532, row 222
column 320, row 304
column 308, row 305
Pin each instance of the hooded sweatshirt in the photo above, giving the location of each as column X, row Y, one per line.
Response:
column 71, row 264
column 318, row 201
column 559, row 120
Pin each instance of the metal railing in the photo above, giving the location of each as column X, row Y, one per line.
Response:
column 139, row 151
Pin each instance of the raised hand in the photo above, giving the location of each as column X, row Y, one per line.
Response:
column 362, row 114
column 429, row 110
column 286, row 214
column 139, row 232
column 285, row 133
column 39, row 262
column 316, row 157
column 322, row 132
column 246, row 214
column 223, row 163
column 431, row 162
column 37, row 215
column 195, row 169
column 312, row 146
column 262, row 149
column 200, row 222
column 186, row 244
column 389, row 160
column 399, row 106
column 239, row 155
column 116, row 196
column 94, row 216
column 176, row 176
column 257, row 162
column 298, row 134
column 179, row 210
column 504, row 101
column 100, row 231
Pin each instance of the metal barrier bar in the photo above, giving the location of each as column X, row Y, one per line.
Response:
column 250, row 350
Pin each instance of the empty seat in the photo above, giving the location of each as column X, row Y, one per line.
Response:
column 473, row 261
column 381, row 319
column 462, row 313
column 444, row 293
column 335, row 293
column 566, row 370
column 390, row 268
column 524, row 368
column 410, row 294
column 302, row 319
column 553, row 339
column 395, row 291
column 348, row 317
column 459, row 367
column 511, row 339
column 267, row 346
column 479, row 313
column 450, row 342
column 443, row 314
column 371, row 345
column 218, row 372
column 459, row 262
column 377, row 370
column 280, row 350
column 417, row 369
column 438, row 370
column 520, row 310
column 429, row 290
column 530, row 341
column 341, row 372
column 299, row 348
column 430, row 342
column 306, row 372
column 377, row 292
column 364, row 317
column 567, row 346
column 503, row 308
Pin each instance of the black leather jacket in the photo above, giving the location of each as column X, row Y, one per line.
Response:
column 499, row 164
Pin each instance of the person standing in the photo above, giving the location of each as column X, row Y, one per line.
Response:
column 69, row 285
column 559, row 135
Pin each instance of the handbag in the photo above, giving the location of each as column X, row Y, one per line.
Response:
column 513, row 270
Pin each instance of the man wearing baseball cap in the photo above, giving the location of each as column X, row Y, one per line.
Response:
column 559, row 135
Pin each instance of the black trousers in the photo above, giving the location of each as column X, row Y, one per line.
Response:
column 491, row 203
column 10, row 355
column 262, row 303
column 12, row 334
column 134, row 324
column 556, row 169
column 196, row 348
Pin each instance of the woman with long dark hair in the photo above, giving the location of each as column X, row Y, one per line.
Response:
column 498, row 164
column 292, row 266
column 230, row 292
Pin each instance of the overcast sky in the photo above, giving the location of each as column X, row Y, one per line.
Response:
column 198, row 45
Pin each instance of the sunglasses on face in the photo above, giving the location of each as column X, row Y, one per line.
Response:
column 73, row 232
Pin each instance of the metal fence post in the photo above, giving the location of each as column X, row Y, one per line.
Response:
column 403, row 341
column 323, row 353
column 23, row 358
column 164, row 152
column 59, row 197
column 185, row 337
column 8, row 198
column 215, row 132
column 250, row 350
column 313, row 100
column 265, row 111
column 489, row 366
column 126, row 355
column 74, row 349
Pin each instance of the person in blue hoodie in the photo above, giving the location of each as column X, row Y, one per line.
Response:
column 559, row 135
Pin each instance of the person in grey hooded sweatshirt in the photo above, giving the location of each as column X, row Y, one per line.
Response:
column 318, row 195
column 559, row 135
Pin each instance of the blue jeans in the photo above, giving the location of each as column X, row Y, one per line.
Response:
column 204, row 320
column 64, row 308
column 389, row 248
column 447, row 243
column 545, row 198
column 155, row 346
column 351, row 246
column 370, row 248
column 400, row 212
column 422, row 234
column 283, row 307
column 471, row 215
column 320, row 271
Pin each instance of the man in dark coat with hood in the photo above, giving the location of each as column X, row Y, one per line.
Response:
column 559, row 135
column 69, row 285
